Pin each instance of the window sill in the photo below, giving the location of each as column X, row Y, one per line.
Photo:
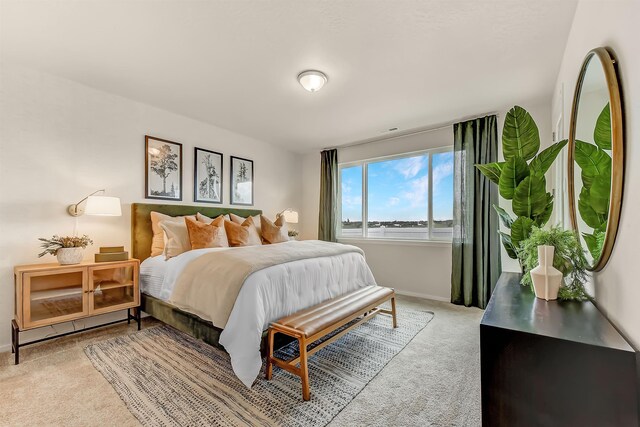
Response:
column 394, row 242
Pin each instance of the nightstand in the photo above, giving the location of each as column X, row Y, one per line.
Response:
column 48, row 294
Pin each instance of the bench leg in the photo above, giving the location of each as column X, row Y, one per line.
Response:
column 269, row 370
column 304, row 369
column 393, row 312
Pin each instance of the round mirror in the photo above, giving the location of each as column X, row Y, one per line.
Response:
column 596, row 150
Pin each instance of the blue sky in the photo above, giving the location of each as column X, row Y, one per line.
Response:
column 398, row 189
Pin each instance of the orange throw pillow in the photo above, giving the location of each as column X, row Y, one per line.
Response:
column 203, row 235
column 239, row 220
column 274, row 232
column 245, row 234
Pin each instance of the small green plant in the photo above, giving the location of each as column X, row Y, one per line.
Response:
column 52, row 245
column 568, row 258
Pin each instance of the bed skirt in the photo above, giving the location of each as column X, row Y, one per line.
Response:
column 181, row 320
column 194, row 325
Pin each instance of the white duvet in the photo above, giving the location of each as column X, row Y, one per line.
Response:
column 266, row 296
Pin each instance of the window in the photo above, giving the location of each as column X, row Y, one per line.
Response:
column 406, row 197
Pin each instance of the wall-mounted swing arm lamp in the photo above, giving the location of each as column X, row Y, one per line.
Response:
column 290, row 215
column 97, row 205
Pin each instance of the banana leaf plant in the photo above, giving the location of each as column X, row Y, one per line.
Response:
column 595, row 165
column 521, row 178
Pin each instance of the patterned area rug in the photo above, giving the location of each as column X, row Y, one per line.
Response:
column 167, row 378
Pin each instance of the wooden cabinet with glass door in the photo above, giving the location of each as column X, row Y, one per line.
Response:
column 47, row 294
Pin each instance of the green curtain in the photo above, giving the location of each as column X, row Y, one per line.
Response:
column 328, row 220
column 476, row 247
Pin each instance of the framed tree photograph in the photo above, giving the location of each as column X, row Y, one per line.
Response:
column 241, row 181
column 163, row 169
column 207, row 176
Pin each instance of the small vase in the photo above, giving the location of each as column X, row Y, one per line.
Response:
column 68, row 256
column 546, row 278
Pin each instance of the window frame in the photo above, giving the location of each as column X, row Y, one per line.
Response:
column 365, row 196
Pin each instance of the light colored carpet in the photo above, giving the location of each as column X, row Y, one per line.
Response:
column 167, row 378
column 434, row 381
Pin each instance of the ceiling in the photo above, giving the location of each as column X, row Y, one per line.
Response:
column 393, row 63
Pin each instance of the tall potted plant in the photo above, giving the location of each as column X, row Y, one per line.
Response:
column 595, row 165
column 520, row 178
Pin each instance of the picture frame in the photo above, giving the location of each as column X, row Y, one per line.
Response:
column 242, row 181
column 207, row 176
column 163, row 169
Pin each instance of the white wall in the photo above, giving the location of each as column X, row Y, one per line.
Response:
column 60, row 140
column 421, row 269
column 613, row 24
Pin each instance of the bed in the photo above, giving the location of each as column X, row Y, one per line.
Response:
column 266, row 294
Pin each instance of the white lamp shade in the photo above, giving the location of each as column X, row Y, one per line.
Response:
column 103, row 205
column 291, row 217
column 312, row 80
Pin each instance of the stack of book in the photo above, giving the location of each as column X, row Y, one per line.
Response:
column 112, row 253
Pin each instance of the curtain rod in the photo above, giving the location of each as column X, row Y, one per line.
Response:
column 414, row 132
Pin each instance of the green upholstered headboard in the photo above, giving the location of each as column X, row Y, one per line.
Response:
column 141, row 232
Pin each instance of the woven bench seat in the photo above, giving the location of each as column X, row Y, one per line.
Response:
column 311, row 324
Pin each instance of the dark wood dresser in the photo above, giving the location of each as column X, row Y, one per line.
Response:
column 554, row 363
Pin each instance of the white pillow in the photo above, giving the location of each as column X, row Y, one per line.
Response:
column 176, row 238
column 207, row 220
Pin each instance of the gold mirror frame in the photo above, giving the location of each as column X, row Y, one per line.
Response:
column 609, row 65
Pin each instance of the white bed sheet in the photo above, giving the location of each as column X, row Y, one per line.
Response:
column 266, row 295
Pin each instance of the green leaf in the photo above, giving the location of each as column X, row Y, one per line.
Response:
column 602, row 131
column 543, row 218
column 599, row 194
column 592, row 160
column 520, row 136
column 491, row 171
column 543, row 161
column 508, row 246
column 520, row 230
column 530, row 198
column 504, row 216
column 592, row 245
column 589, row 216
column 513, row 172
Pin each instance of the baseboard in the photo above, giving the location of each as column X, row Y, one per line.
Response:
column 423, row 296
column 5, row 347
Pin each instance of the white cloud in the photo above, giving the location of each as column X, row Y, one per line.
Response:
column 351, row 200
column 411, row 167
column 442, row 171
column 393, row 201
column 417, row 195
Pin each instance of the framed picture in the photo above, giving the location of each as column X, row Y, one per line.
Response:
column 241, row 181
column 163, row 169
column 207, row 176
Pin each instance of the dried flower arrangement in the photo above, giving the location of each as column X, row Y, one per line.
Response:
column 52, row 245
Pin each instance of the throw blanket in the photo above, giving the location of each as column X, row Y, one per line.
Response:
column 210, row 283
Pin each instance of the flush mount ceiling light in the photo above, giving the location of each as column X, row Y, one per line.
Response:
column 312, row 80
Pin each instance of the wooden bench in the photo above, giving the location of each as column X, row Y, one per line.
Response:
column 311, row 324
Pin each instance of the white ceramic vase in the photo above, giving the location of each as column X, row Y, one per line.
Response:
column 546, row 278
column 67, row 256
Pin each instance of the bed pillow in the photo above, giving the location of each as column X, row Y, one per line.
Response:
column 177, row 237
column 245, row 234
column 274, row 232
column 239, row 220
column 157, row 242
column 207, row 220
column 203, row 235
